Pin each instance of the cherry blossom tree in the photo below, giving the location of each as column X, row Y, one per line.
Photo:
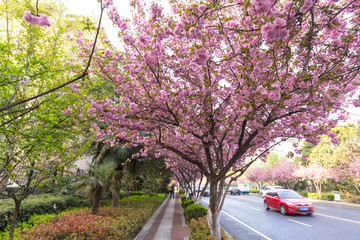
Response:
column 284, row 172
column 315, row 172
column 218, row 83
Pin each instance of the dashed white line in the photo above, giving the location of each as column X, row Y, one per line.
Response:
column 255, row 209
column 266, row 237
column 299, row 222
column 253, row 229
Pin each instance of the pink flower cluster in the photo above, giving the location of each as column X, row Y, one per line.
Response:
column 306, row 6
column 67, row 111
column 201, row 56
column 42, row 20
column 260, row 6
column 274, row 31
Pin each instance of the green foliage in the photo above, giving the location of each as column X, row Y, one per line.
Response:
column 303, row 193
column 313, row 195
column 183, row 198
column 36, row 205
column 194, row 211
column 199, row 230
column 181, row 191
column 255, row 190
column 187, row 202
column 328, row 197
column 123, row 222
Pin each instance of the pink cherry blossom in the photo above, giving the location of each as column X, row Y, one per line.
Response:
column 67, row 111
column 41, row 20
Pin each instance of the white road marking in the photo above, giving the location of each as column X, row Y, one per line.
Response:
column 247, row 226
column 256, row 231
column 299, row 222
column 255, row 209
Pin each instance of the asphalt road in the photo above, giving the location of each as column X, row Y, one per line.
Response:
column 245, row 218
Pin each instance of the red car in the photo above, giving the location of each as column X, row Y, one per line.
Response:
column 287, row 201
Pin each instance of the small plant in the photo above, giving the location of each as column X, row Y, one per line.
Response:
column 186, row 203
column 194, row 211
column 181, row 191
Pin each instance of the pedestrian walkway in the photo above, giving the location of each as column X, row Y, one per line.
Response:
column 167, row 223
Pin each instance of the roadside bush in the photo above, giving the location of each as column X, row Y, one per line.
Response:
column 121, row 223
column 40, row 205
column 328, row 197
column 186, row 203
column 199, row 230
column 313, row 195
column 183, row 198
column 181, row 191
column 303, row 193
column 255, row 190
column 194, row 211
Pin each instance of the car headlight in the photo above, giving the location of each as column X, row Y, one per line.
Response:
column 290, row 203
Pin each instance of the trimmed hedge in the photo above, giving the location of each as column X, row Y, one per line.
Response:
column 313, row 195
column 187, row 202
column 194, row 211
column 303, row 193
column 42, row 204
column 324, row 196
column 328, row 197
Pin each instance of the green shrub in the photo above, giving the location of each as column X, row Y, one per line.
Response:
column 183, row 198
column 194, row 211
column 303, row 193
column 199, row 230
column 124, row 222
column 186, row 203
column 181, row 191
column 255, row 191
column 328, row 197
column 313, row 195
column 40, row 205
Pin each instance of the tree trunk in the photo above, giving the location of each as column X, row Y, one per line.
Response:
column 15, row 215
column 214, row 210
column 115, row 197
column 97, row 198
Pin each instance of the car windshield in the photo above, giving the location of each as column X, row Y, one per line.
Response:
column 289, row 194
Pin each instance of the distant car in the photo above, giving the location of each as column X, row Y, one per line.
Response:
column 207, row 192
column 287, row 201
column 234, row 191
column 269, row 188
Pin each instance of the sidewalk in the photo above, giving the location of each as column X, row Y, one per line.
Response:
column 167, row 223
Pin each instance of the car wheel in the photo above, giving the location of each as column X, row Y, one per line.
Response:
column 309, row 214
column 282, row 209
column 266, row 206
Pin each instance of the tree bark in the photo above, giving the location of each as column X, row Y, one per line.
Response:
column 97, row 198
column 15, row 215
column 214, row 210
